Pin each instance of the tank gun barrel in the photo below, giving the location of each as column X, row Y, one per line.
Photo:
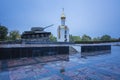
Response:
column 48, row 26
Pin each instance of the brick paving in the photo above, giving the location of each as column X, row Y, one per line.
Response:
column 64, row 67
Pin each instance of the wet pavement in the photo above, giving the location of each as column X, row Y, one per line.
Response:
column 64, row 67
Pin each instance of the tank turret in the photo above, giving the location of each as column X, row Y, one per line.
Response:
column 40, row 28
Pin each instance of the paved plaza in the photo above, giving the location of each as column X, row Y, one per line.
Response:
column 63, row 67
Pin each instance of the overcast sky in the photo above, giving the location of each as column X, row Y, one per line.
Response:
column 91, row 17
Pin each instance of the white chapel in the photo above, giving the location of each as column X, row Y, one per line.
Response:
column 63, row 30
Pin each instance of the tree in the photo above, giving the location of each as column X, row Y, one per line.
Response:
column 74, row 38
column 86, row 38
column 70, row 38
column 96, row 39
column 3, row 32
column 53, row 38
column 14, row 35
column 106, row 38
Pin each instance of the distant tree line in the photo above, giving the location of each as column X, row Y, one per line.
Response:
column 85, row 38
column 6, row 35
